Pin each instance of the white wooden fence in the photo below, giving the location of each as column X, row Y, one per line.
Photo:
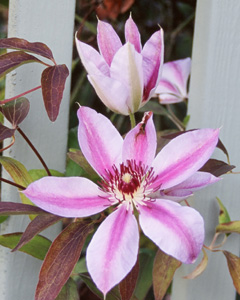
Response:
column 50, row 22
column 214, row 102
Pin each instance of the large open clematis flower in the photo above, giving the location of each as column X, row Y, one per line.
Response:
column 172, row 87
column 133, row 180
column 124, row 76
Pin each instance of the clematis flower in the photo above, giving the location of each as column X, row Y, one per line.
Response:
column 131, row 178
column 172, row 87
column 123, row 76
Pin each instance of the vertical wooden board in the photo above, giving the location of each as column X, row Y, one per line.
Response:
column 214, row 102
column 50, row 22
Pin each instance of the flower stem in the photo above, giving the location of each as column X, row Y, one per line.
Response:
column 34, row 150
column 12, row 183
column 20, row 95
column 175, row 120
column 132, row 120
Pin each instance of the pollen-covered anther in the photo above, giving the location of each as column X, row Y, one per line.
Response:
column 129, row 183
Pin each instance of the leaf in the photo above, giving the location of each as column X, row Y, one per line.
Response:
column 61, row 259
column 40, row 173
column 12, row 60
column 223, row 214
column 3, row 219
column 77, row 156
column 234, row 268
column 11, row 208
column 37, row 247
column 144, row 283
column 53, row 82
column 112, row 8
column 16, row 111
column 5, row 132
column 127, row 285
column 17, row 43
column 36, row 226
column 216, row 167
column 200, row 268
column 18, row 173
column 113, row 294
column 229, row 227
column 164, row 268
column 69, row 291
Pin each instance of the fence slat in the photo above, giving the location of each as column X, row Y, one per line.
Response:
column 214, row 102
column 50, row 22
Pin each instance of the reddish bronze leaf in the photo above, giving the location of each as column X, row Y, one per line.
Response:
column 12, row 60
column 16, row 111
column 11, row 208
column 234, row 268
column 216, row 167
column 5, row 132
column 53, row 82
column 164, row 268
column 127, row 285
column 61, row 259
column 112, row 8
column 37, row 225
column 21, row 44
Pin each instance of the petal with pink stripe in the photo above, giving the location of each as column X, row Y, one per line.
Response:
column 99, row 140
column 108, row 41
column 183, row 156
column 141, row 142
column 132, row 34
column 113, row 250
column 67, row 197
column 177, row 230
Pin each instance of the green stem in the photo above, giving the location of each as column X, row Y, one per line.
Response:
column 133, row 121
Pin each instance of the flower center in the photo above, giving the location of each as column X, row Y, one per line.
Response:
column 129, row 182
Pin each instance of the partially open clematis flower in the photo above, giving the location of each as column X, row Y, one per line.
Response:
column 132, row 181
column 123, row 76
column 172, row 87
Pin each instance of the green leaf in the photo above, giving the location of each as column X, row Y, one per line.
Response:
column 69, row 291
column 163, row 271
column 146, row 258
column 61, row 259
column 223, row 214
column 234, row 268
column 40, row 173
column 37, row 247
column 230, row 227
column 3, row 218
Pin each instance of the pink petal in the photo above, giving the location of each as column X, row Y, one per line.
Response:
column 183, row 156
column 141, row 142
column 91, row 59
column 168, row 93
column 113, row 250
column 67, row 197
column 108, row 41
column 196, row 182
column 152, row 63
column 178, row 72
column 177, row 230
column 127, row 68
column 132, row 34
column 112, row 93
column 99, row 140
